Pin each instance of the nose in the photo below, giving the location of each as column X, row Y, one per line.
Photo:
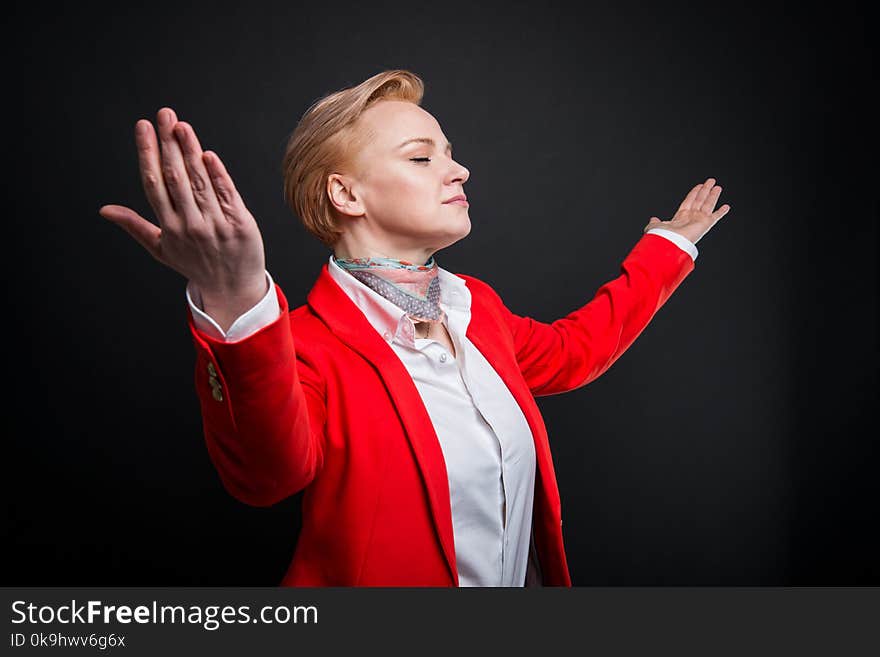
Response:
column 459, row 173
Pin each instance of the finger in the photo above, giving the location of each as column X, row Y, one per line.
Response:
column 703, row 193
column 709, row 204
column 689, row 199
column 150, row 164
column 720, row 212
column 202, row 190
column 231, row 204
column 147, row 234
column 174, row 170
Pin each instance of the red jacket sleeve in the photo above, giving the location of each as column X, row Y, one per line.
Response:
column 263, row 411
column 570, row 352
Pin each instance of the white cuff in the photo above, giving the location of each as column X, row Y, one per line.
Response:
column 682, row 242
column 264, row 313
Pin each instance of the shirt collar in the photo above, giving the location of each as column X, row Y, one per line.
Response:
column 385, row 316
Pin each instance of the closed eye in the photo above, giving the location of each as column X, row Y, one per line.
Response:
column 420, row 159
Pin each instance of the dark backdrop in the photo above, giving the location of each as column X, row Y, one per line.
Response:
column 729, row 446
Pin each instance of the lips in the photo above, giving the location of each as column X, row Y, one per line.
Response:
column 460, row 197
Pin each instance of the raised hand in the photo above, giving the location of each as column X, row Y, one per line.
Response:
column 205, row 232
column 695, row 216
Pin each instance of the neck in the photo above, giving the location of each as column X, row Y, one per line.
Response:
column 418, row 256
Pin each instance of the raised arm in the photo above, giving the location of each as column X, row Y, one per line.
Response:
column 570, row 352
column 262, row 408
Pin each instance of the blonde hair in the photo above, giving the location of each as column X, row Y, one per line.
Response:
column 326, row 138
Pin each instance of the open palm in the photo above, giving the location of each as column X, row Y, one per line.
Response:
column 696, row 215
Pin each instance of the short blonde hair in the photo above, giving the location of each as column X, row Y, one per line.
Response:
column 326, row 139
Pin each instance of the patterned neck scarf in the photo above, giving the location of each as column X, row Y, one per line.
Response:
column 412, row 288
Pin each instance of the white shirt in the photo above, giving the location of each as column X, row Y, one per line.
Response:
column 486, row 442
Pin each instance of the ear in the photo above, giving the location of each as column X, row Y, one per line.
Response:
column 340, row 192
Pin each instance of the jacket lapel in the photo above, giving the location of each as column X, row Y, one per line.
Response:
column 485, row 331
column 488, row 334
column 346, row 321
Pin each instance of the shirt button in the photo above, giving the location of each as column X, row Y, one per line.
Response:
column 442, row 358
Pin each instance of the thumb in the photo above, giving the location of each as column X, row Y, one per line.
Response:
column 144, row 232
column 653, row 223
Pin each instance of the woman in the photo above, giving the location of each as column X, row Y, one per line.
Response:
column 400, row 397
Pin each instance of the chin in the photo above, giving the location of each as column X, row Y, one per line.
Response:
column 460, row 234
column 451, row 231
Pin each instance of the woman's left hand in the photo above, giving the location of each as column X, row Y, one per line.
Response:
column 695, row 216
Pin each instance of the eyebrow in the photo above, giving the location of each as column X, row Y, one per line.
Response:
column 426, row 140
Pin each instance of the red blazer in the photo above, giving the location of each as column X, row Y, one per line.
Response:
column 318, row 401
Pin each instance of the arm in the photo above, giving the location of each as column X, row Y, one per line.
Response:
column 262, row 314
column 262, row 404
column 570, row 352
column 263, row 411
column 683, row 243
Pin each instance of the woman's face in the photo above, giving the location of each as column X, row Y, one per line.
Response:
column 398, row 193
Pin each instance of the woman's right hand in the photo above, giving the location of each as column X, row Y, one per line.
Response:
column 205, row 231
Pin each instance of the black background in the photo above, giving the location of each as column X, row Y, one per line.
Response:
column 729, row 446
